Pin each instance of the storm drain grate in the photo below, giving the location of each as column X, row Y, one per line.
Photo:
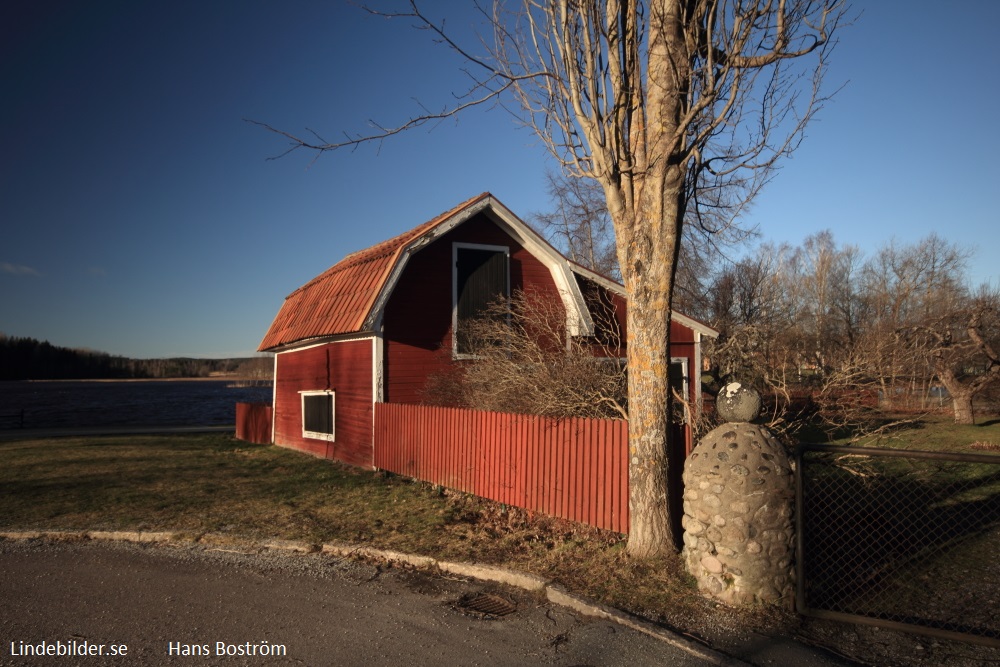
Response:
column 484, row 603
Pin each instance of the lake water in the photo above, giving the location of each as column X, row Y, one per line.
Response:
column 145, row 403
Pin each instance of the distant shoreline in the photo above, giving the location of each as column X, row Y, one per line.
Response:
column 218, row 378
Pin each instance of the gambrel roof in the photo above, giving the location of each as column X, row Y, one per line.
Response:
column 348, row 297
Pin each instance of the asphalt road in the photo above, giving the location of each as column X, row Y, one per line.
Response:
column 191, row 605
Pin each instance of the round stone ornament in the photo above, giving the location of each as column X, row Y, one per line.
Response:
column 737, row 403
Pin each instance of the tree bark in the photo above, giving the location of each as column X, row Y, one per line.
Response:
column 961, row 394
column 648, row 336
column 962, row 404
column 948, row 352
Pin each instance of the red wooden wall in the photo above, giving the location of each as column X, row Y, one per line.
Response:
column 575, row 468
column 346, row 368
column 418, row 314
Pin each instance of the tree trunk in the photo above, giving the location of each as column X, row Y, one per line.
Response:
column 649, row 276
column 961, row 395
column 962, row 403
column 648, row 213
column 649, row 409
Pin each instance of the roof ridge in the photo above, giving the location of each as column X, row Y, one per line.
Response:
column 393, row 243
column 415, row 232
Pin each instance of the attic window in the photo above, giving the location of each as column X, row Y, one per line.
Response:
column 318, row 414
column 481, row 275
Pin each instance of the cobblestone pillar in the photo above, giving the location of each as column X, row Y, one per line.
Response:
column 738, row 502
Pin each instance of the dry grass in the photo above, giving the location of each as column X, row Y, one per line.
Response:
column 985, row 446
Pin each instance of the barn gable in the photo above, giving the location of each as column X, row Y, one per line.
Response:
column 420, row 319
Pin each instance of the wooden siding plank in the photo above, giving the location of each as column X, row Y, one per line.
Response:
column 533, row 496
column 552, row 483
column 604, row 496
column 509, row 464
column 470, row 435
column 566, row 473
column 522, row 458
column 584, row 438
column 621, row 459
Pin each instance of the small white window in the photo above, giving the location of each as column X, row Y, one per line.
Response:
column 318, row 414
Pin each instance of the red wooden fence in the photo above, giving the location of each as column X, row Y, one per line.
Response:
column 570, row 468
column 253, row 422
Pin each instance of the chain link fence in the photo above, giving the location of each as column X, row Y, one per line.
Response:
column 901, row 539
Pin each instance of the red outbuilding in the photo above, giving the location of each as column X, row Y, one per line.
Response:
column 375, row 326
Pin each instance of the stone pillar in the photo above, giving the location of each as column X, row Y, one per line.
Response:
column 738, row 501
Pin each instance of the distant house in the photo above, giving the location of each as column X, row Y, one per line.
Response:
column 375, row 326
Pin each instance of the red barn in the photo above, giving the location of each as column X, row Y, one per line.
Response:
column 376, row 325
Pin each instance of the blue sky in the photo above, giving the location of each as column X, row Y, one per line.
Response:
column 140, row 216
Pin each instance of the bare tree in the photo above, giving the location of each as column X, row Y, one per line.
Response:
column 750, row 308
column 673, row 107
column 838, row 341
column 789, row 324
column 579, row 223
column 905, row 290
column 962, row 351
column 760, row 343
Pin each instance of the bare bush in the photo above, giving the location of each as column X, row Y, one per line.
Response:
column 523, row 361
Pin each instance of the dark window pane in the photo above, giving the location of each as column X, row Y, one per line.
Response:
column 481, row 278
column 318, row 413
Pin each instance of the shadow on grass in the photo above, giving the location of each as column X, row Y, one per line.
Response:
column 894, row 539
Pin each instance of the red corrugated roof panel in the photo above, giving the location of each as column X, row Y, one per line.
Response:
column 339, row 300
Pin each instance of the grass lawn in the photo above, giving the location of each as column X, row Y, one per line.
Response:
column 200, row 484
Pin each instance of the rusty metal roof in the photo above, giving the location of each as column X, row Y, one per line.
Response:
column 340, row 300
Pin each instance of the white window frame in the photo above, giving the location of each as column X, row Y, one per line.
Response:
column 316, row 435
column 685, row 384
column 454, row 288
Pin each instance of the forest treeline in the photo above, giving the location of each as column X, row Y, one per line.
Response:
column 30, row 359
